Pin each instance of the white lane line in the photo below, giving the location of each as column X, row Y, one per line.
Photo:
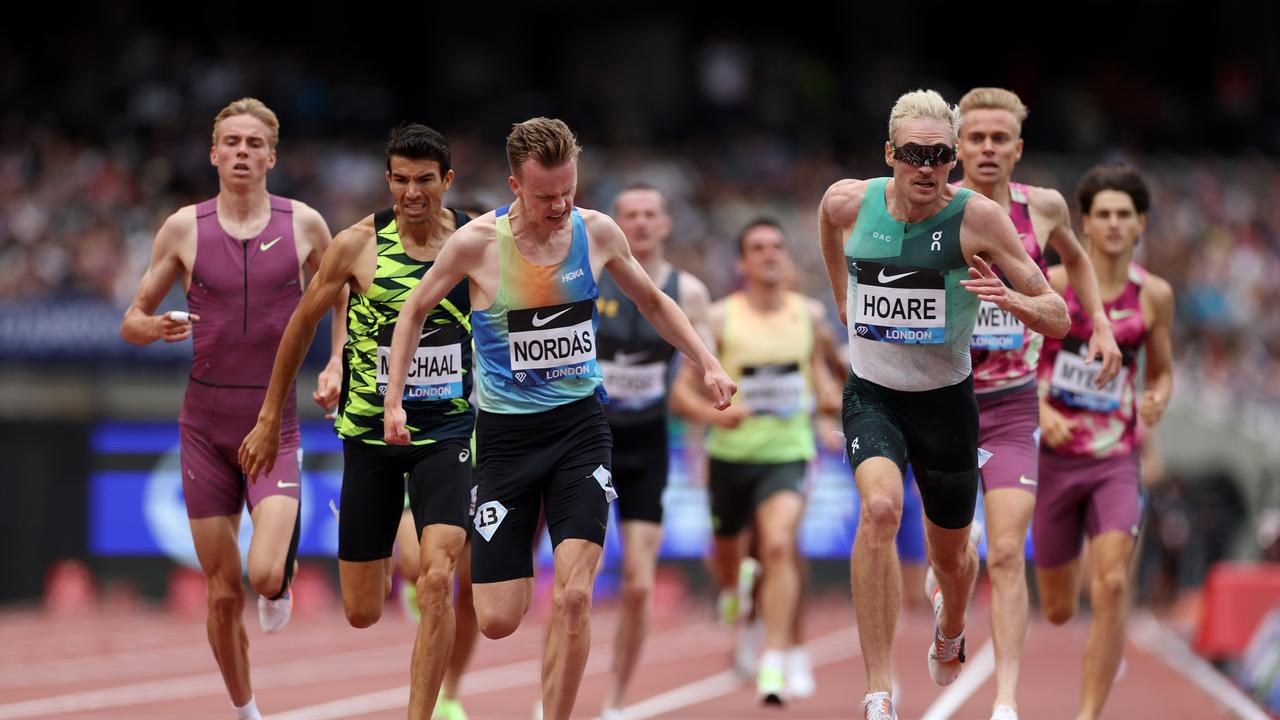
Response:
column 1147, row 633
column 977, row 670
column 676, row 643
column 833, row 647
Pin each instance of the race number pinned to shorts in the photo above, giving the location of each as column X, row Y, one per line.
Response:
column 605, row 478
column 488, row 517
column 902, row 305
column 996, row 329
column 1073, row 382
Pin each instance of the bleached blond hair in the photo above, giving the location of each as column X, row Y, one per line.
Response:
column 255, row 108
column 990, row 98
column 922, row 105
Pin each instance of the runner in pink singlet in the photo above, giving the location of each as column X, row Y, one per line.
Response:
column 1005, row 355
column 1089, row 444
column 240, row 257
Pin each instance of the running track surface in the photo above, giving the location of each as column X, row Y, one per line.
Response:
column 150, row 664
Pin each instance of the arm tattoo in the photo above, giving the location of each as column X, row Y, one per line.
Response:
column 1034, row 281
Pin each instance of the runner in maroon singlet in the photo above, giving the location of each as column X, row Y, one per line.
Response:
column 240, row 257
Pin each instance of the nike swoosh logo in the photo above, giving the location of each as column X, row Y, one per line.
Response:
column 539, row 322
column 429, row 332
column 890, row 278
column 1027, row 481
column 283, row 484
column 268, row 245
column 1121, row 314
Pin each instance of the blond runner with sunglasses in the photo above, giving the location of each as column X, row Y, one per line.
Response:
column 911, row 256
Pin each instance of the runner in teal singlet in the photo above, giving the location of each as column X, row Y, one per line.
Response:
column 909, row 258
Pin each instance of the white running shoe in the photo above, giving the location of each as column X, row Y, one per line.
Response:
column 273, row 615
column 1004, row 712
column 747, row 646
column 613, row 714
column 800, row 682
column 946, row 655
column 537, row 711
column 878, row 706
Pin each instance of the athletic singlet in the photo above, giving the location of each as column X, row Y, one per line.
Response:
column 636, row 361
column 244, row 292
column 536, row 344
column 438, row 386
column 1005, row 352
column 1105, row 419
column 910, row 320
column 768, row 356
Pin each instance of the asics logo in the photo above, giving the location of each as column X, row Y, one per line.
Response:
column 540, row 321
column 464, row 456
column 282, row 484
column 891, row 278
column 268, row 245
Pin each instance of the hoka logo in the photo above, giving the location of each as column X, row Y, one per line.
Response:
column 569, row 276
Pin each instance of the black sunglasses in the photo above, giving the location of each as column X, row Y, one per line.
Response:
column 918, row 155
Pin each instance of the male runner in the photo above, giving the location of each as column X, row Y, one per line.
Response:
column 240, row 257
column 773, row 342
column 638, row 366
column 1089, row 483
column 541, row 434
column 381, row 259
column 1005, row 354
column 908, row 241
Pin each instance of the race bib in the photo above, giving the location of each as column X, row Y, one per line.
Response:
column 631, row 383
column 435, row 371
column 996, row 329
column 1073, row 381
column 900, row 304
column 552, row 343
column 773, row 389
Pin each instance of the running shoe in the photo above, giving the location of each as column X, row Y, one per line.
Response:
column 1004, row 712
column 409, row 600
column 273, row 615
column 613, row 714
column 878, row 706
column 448, row 710
column 771, row 681
column 800, row 682
column 747, row 646
column 727, row 606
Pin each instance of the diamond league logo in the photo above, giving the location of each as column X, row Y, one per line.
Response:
column 520, row 376
column 862, row 329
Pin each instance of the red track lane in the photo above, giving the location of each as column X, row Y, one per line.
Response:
column 152, row 665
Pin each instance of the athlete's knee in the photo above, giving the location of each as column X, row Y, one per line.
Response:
column 949, row 561
column 225, row 598
column 778, row 550
column 268, row 581
column 1107, row 590
column 882, row 513
column 363, row 615
column 635, row 592
column 1058, row 610
column 497, row 623
column 1006, row 558
column 572, row 602
column 435, row 590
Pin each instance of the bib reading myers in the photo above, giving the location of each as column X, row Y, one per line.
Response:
column 901, row 304
column 1073, row 381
